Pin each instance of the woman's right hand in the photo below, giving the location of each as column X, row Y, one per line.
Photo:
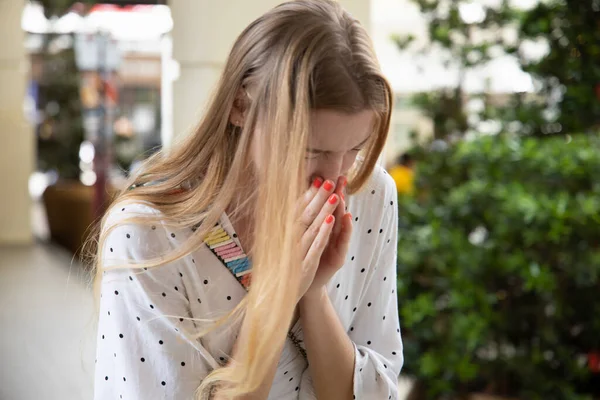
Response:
column 315, row 224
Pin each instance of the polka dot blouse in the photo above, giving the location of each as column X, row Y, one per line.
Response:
column 144, row 350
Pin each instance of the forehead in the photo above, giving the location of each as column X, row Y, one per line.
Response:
column 338, row 131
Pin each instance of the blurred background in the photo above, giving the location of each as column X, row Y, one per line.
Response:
column 494, row 148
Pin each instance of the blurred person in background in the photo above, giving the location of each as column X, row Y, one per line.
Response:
column 403, row 174
column 257, row 258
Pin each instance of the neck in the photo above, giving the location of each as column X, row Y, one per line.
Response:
column 240, row 215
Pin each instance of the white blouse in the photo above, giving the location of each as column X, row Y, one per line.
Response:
column 143, row 352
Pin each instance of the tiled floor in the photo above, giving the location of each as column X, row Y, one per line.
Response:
column 47, row 335
column 47, row 326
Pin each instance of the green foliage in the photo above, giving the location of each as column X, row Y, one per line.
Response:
column 568, row 77
column 499, row 268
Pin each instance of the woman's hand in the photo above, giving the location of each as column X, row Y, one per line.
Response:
column 325, row 233
column 334, row 255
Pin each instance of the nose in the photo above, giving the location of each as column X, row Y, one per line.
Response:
column 333, row 169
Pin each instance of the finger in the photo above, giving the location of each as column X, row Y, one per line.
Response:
column 310, row 193
column 314, row 206
column 338, row 214
column 319, row 243
column 313, row 230
column 345, row 234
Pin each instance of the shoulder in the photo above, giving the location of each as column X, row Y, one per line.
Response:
column 378, row 191
column 135, row 232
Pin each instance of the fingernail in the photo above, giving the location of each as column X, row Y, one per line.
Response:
column 345, row 182
column 318, row 182
column 333, row 199
column 328, row 185
column 343, row 197
column 329, row 219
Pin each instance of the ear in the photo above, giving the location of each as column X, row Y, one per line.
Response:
column 237, row 116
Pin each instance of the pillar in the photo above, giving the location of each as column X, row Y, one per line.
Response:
column 203, row 33
column 16, row 136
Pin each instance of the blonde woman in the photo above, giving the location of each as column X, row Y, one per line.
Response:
column 257, row 258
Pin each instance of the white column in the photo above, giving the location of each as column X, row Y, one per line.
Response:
column 16, row 136
column 203, row 33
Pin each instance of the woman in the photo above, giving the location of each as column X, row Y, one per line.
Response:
column 279, row 179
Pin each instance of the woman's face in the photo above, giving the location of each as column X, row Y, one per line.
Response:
column 335, row 140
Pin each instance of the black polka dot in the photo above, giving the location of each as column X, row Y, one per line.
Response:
column 228, row 297
column 356, row 219
column 369, row 305
column 291, row 379
column 109, row 313
column 124, row 380
column 352, row 258
column 116, row 292
column 369, row 342
column 360, row 370
column 160, row 342
column 121, row 335
column 115, row 354
column 354, row 310
column 391, row 203
column 153, row 227
column 176, row 288
column 180, row 319
column 338, row 285
column 222, row 358
column 381, row 231
column 297, row 388
column 388, row 240
column 172, row 235
column 142, row 359
column 102, row 336
column 164, row 294
column 120, row 396
column 384, row 317
column 206, row 281
column 106, row 378
column 398, row 330
column 385, row 278
column 183, row 364
column 163, row 383
column 393, row 290
column 369, row 231
column 346, row 298
column 181, row 275
column 194, row 261
column 199, row 301
column 393, row 353
column 138, row 318
column 130, row 278
column 128, row 236
column 384, row 366
column 122, row 209
column 372, row 192
column 145, row 269
column 362, row 270
column 151, row 306
column 285, row 373
column 235, row 235
column 351, row 328
column 111, row 249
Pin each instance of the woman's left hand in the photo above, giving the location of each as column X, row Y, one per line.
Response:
column 334, row 255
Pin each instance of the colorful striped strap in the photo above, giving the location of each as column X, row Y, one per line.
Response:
column 230, row 254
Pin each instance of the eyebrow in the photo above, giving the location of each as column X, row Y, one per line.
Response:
column 319, row 151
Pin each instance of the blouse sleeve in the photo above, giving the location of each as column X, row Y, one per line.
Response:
column 143, row 351
column 376, row 328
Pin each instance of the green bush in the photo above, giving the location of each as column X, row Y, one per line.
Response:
column 498, row 268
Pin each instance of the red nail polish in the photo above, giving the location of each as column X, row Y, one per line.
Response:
column 318, row 182
column 329, row 219
column 328, row 185
column 333, row 199
column 343, row 197
column 345, row 182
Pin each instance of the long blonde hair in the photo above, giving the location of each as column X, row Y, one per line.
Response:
column 300, row 56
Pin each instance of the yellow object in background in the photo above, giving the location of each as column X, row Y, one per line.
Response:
column 404, row 178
